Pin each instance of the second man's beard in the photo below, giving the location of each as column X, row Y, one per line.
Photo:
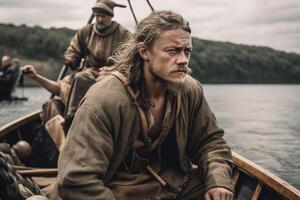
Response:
column 102, row 26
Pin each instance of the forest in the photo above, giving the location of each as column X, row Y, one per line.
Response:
column 211, row 61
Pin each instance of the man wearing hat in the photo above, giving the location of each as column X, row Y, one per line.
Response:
column 94, row 43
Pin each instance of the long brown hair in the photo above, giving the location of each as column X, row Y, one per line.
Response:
column 127, row 58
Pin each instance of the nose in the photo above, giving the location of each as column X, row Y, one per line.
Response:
column 99, row 18
column 182, row 58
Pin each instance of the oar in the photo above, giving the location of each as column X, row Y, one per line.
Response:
column 151, row 7
column 132, row 12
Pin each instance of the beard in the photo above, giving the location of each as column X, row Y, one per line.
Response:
column 173, row 87
column 103, row 26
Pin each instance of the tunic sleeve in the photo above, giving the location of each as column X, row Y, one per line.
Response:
column 85, row 157
column 75, row 51
column 207, row 146
column 65, row 87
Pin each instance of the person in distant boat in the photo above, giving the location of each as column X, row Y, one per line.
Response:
column 94, row 43
column 139, row 132
column 9, row 73
column 8, row 68
column 5, row 64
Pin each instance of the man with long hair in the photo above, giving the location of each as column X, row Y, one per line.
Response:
column 146, row 131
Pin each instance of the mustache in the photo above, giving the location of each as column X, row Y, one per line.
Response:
column 185, row 69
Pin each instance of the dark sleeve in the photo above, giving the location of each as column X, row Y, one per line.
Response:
column 85, row 157
column 207, row 146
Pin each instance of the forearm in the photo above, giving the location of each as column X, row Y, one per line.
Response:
column 216, row 164
column 51, row 86
column 77, row 187
column 209, row 149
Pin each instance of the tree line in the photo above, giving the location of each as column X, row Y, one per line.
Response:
column 211, row 61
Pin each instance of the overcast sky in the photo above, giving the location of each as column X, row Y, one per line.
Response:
column 273, row 23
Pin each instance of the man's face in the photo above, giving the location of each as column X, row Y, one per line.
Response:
column 169, row 56
column 5, row 61
column 102, row 20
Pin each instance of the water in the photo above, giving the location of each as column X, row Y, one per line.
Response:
column 10, row 111
column 262, row 122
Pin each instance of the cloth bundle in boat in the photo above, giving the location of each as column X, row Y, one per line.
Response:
column 44, row 150
column 55, row 130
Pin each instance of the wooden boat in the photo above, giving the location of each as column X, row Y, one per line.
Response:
column 8, row 85
column 251, row 181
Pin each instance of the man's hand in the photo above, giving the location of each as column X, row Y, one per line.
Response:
column 106, row 70
column 218, row 194
column 30, row 71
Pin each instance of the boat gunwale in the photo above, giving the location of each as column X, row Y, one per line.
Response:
column 5, row 129
column 266, row 177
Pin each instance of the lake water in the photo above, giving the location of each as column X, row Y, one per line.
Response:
column 262, row 122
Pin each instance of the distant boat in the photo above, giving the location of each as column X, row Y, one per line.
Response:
column 9, row 82
column 251, row 181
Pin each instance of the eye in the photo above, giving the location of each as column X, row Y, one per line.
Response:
column 172, row 51
column 187, row 51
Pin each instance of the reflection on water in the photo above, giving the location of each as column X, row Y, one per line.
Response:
column 11, row 110
column 262, row 122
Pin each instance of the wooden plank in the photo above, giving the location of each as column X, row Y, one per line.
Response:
column 38, row 172
column 267, row 178
column 156, row 176
column 18, row 123
column 235, row 177
column 257, row 192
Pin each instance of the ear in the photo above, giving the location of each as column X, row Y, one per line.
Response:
column 143, row 51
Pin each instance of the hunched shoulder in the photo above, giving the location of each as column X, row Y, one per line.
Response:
column 87, row 27
column 107, row 92
column 191, row 85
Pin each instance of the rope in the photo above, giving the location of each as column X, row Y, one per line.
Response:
column 13, row 185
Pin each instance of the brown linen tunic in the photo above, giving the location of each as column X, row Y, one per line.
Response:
column 95, row 48
column 65, row 87
column 106, row 125
column 132, row 180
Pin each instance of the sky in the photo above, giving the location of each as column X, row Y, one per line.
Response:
column 272, row 23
